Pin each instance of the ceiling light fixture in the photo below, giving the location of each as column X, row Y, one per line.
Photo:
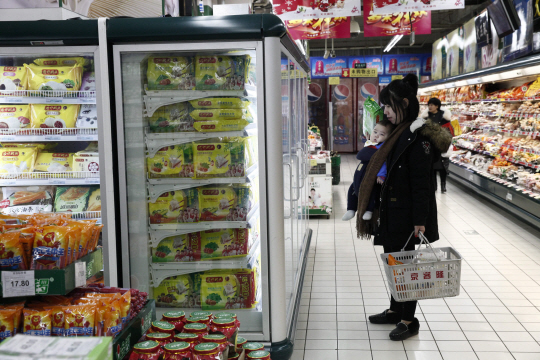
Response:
column 393, row 42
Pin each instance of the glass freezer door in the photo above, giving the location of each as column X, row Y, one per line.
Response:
column 189, row 124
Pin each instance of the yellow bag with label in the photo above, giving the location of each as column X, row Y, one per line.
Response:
column 12, row 78
column 223, row 159
column 167, row 162
column 17, row 160
column 175, row 291
column 167, row 207
column 67, row 61
column 220, row 103
column 14, row 116
column 220, row 125
column 59, row 78
column 54, row 162
column 221, row 72
column 54, row 116
column 170, row 73
column 221, row 114
column 216, row 203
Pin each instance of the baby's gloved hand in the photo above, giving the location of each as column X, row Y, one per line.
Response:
column 380, row 179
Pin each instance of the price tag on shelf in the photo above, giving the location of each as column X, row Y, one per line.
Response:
column 96, row 180
column 57, row 181
column 18, row 283
column 54, row 100
column 80, row 273
column 88, row 100
column 85, row 137
column 8, row 138
column 508, row 196
column 53, row 137
column 471, row 177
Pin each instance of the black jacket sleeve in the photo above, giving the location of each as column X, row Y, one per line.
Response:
column 420, row 160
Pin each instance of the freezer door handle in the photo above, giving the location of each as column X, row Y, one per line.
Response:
column 297, row 187
column 285, row 216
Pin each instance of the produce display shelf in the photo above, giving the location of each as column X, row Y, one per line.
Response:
column 512, row 160
column 505, row 131
column 161, row 271
column 50, row 178
column 47, row 97
column 511, row 197
column 509, row 147
column 62, row 281
column 155, row 99
column 136, row 328
column 156, row 187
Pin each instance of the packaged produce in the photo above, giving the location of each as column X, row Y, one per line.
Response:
column 226, row 159
column 207, row 351
column 196, row 328
column 71, row 198
column 251, row 347
column 167, row 207
column 221, row 72
column 64, row 61
column 259, row 355
column 12, row 256
column 170, row 73
column 12, row 78
column 225, row 203
column 228, row 289
column 175, row 318
column 222, row 243
column 7, row 322
column 17, row 160
column 177, row 351
column 171, row 118
column 167, row 162
column 53, row 162
column 50, row 247
column 174, row 291
column 87, row 161
column 88, row 81
column 220, row 103
column 54, row 116
column 221, row 114
column 14, row 116
column 94, row 200
column 191, row 339
column 162, row 327
column 37, row 322
column 56, row 78
column 146, row 350
column 27, row 200
column 88, row 117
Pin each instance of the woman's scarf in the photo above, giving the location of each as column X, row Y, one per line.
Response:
column 363, row 227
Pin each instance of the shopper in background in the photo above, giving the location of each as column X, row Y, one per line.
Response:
column 407, row 199
column 442, row 117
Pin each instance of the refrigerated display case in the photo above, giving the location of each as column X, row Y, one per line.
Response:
column 212, row 155
column 54, row 100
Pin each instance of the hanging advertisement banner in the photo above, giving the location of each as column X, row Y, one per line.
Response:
column 454, row 58
column 469, row 44
column 322, row 68
column 315, row 9
column 402, row 64
column 438, row 59
column 382, row 7
column 398, row 23
column 520, row 42
column 328, row 28
column 370, row 61
column 426, row 64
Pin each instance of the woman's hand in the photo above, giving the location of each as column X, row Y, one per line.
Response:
column 419, row 229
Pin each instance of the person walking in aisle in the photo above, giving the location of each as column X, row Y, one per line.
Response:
column 407, row 200
column 442, row 117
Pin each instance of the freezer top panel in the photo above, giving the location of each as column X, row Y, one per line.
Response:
column 46, row 33
column 202, row 28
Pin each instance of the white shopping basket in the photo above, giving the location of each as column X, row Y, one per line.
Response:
column 430, row 274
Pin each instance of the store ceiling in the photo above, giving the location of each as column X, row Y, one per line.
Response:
column 442, row 23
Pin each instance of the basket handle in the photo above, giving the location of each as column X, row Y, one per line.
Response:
column 423, row 240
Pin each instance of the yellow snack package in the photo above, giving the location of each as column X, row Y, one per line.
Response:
column 174, row 291
column 12, row 78
column 112, row 319
column 220, row 114
column 168, row 162
column 37, row 322
column 56, row 78
column 219, row 290
column 53, row 162
column 216, row 202
column 51, row 247
column 14, row 116
column 7, row 321
column 167, row 208
column 57, row 321
column 12, row 255
column 171, row 118
column 18, row 317
column 125, row 306
column 17, row 160
column 225, row 159
column 220, row 103
column 222, row 243
column 54, row 116
column 170, row 73
column 220, row 72
column 220, row 125
column 67, row 61
column 79, row 320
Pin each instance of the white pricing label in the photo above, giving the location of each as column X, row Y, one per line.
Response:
column 73, row 347
column 18, row 283
column 85, row 137
column 508, row 196
column 91, row 181
column 30, row 344
column 53, row 101
column 53, row 137
column 57, row 181
column 80, row 273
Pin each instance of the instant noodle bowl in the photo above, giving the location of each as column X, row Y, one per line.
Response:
column 167, row 162
column 12, row 78
column 207, row 351
column 177, row 351
column 196, row 328
column 219, row 339
column 259, row 355
column 50, row 247
column 54, row 78
column 7, row 322
column 191, row 339
column 79, row 320
column 176, row 319
column 220, row 103
column 14, row 117
column 12, row 256
column 167, row 207
column 162, row 327
column 37, row 322
column 146, row 350
column 53, row 162
column 54, row 116
column 221, row 72
column 171, row 118
column 251, row 347
column 170, row 73
column 162, row 338
column 18, row 160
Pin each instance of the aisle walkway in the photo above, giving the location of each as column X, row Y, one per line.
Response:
column 495, row 317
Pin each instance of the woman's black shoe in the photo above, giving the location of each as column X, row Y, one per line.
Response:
column 385, row 318
column 403, row 331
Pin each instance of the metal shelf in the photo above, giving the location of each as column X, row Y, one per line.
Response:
column 45, row 135
column 155, row 99
column 47, row 97
column 156, row 187
column 156, row 141
column 48, row 178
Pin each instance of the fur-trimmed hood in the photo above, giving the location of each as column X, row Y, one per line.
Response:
column 439, row 137
column 446, row 114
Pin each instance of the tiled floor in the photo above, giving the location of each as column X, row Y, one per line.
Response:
column 495, row 317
